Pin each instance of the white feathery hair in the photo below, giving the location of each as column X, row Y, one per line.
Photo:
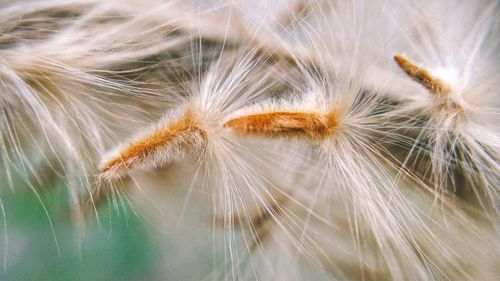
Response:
column 314, row 139
column 65, row 90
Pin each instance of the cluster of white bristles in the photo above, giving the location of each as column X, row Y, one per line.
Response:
column 336, row 140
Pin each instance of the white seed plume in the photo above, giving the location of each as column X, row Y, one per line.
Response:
column 332, row 140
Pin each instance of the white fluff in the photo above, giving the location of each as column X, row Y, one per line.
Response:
column 404, row 185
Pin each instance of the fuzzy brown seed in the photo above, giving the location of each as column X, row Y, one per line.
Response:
column 281, row 124
column 184, row 133
column 433, row 84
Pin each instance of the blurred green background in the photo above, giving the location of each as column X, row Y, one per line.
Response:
column 116, row 248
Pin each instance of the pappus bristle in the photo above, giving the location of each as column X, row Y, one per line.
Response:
column 344, row 126
column 456, row 117
column 291, row 140
column 65, row 91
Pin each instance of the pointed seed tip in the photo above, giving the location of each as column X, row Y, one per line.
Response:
column 399, row 58
column 420, row 75
column 183, row 134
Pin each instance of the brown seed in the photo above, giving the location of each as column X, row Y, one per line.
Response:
column 422, row 76
column 281, row 124
column 181, row 135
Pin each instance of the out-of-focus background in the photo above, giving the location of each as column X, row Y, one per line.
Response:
column 39, row 241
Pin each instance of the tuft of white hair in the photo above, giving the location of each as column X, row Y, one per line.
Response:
column 315, row 140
